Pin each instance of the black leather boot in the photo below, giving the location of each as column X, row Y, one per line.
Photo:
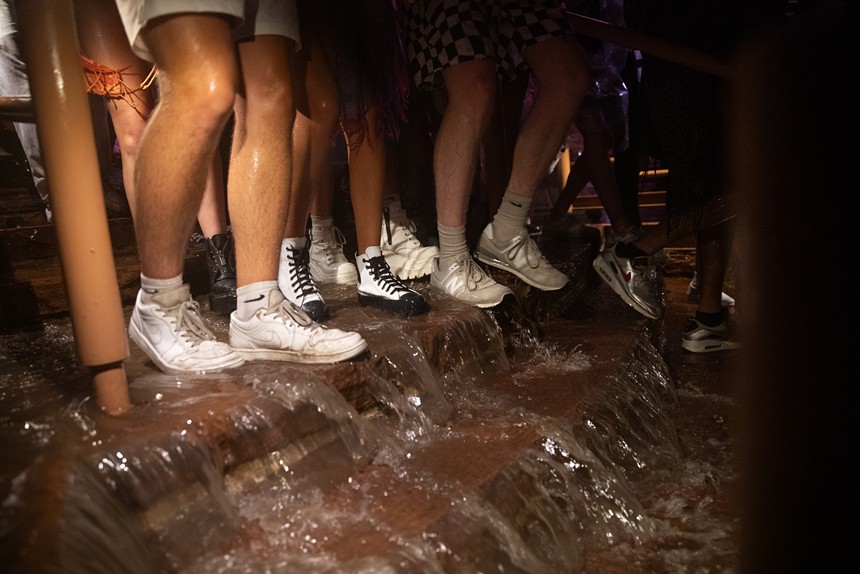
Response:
column 221, row 262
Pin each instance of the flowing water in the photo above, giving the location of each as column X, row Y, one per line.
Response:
column 607, row 487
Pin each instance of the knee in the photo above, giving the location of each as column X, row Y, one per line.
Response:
column 273, row 100
column 207, row 94
column 475, row 103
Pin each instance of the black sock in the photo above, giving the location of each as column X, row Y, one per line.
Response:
column 710, row 319
column 629, row 251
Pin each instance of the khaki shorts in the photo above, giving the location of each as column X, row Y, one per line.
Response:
column 251, row 17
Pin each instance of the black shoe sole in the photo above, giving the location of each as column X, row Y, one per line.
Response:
column 399, row 307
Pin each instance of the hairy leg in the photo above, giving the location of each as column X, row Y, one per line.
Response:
column 471, row 88
column 261, row 163
column 198, row 78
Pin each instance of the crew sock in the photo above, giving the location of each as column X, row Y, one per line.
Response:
column 452, row 244
column 511, row 217
column 253, row 297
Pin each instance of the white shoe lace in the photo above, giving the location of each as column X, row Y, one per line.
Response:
column 402, row 226
column 188, row 325
column 381, row 274
column 287, row 312
column 331, row 244
column 473, row 275
column 521, row 241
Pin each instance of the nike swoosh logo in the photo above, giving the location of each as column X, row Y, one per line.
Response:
column 150, row 291
column 260, row 298
column 514, row 203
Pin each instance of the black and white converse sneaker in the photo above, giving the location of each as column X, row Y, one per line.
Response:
column 379, row 288
column 295, row 282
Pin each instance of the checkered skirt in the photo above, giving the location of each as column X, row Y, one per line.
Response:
column 445, row 32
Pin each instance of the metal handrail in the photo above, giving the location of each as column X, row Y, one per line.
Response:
column 50, row 47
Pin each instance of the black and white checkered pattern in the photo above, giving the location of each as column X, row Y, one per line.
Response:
column 446, row 32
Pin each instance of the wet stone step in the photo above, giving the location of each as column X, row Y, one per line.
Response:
column 464, row 440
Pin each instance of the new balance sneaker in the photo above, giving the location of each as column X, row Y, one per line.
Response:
column 694, row 295
column 466, row 281
column 628, row 282
column 406, row 257
column 699, row 338
column 520, row 256
column 283, row 332
column 170, row 330
column 328, row 264
column 295, row 282
column 380, row 289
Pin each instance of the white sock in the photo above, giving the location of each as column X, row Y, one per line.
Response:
column 253, row 297
column 452, row 244
column 150, row 286
column 511, row 216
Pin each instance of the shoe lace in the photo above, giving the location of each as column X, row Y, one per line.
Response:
column 381, row 273
column 189, row 324
column 331, row 244
column 300, row 274
column 472, row 274
column 532, row 254
column 400, row 223
column 288, row 312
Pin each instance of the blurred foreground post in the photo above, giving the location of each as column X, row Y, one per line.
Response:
column 50, row 48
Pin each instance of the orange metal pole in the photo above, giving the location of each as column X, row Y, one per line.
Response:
column 51, row 49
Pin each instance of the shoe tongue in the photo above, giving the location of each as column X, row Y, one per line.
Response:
column 219, row 240
column 275, row 298
column 372, row 252
column 173, row 297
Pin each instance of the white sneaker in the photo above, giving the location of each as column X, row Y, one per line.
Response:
column 170, row 330
column 283, row 332
column 694, row 295
column 380, row 289
column 466, row 281
column 296, row 284
column 406, row 257
column 520, row 255
column 328, row 264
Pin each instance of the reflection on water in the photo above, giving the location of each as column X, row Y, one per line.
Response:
column 302, row 481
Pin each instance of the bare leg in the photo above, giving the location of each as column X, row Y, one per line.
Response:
column 177, row 146
column 212, row 215
column 471, row 90
column 712, row 260
column 561, row 70
column 259, row 178
column 103, row 40
column 366, row 182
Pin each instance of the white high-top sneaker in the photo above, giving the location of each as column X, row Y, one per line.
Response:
column 406, row 257
column 328, row 264
column 283, row 332
column 380, row 289
column 295, row 282
column 170, row 330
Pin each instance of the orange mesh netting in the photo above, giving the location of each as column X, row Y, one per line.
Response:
column 109, row 82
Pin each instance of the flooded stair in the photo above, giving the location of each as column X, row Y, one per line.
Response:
column 464, row 440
